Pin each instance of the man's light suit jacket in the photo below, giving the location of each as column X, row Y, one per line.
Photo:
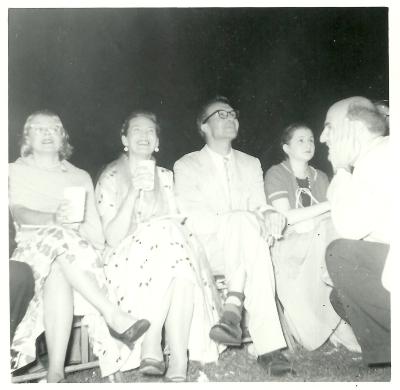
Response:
column 201, row 195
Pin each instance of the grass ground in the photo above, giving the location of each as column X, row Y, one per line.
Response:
column 327, row 364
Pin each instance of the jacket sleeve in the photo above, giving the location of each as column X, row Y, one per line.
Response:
column 257, row 201
column 201, row 218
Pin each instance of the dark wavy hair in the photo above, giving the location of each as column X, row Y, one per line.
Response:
column 66, row 149
column 141, row 113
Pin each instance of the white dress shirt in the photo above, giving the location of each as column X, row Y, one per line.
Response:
column 361, row 201
column 219, row 163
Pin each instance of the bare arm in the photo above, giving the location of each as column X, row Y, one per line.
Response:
column 298, row 215
column 25, row 216
column 121, row 222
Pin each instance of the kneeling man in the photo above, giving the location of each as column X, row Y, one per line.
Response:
column 360, row 196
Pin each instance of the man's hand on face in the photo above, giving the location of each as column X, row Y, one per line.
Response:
column 343, row 146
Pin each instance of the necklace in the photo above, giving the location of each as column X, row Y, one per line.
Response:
column 303, row 192
column 303, row 195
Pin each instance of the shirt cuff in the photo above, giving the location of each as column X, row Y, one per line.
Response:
column 263, row 209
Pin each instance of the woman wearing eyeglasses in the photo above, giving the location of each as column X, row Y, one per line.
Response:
column 298, row 191
column 154, row 265
column 63, row 250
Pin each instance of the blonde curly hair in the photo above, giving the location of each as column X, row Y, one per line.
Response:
column 25, row 150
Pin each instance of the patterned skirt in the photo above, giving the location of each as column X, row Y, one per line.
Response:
column 143, row 266
column 44, row 246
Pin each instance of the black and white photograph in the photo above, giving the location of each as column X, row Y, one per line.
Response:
column 199, row 193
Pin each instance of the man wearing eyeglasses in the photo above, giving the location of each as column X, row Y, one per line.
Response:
column 221, row 191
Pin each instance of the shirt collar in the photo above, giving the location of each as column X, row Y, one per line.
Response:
column 217, row 157
column 371, row 146
column 311, row 171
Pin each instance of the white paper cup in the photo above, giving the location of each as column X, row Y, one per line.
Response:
column 76, row 197
column 149, row 165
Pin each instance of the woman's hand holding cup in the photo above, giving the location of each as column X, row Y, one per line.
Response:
column 143, row 176
column 71, row 209
column 61, row 216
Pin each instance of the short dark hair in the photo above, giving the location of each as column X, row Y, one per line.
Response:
column 141, row 113
column 204, row 108
column 368, row 113
column 288, row 132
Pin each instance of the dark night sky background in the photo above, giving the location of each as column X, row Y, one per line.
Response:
column 277, row 65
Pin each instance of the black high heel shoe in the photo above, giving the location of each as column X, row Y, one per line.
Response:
column 132, row 334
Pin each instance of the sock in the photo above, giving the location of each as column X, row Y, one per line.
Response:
column 233, row 300
column 233, row 308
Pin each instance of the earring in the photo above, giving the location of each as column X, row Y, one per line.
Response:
column 156, row 149
column 125, row 148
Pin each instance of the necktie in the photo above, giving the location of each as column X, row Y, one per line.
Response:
column 228, row 180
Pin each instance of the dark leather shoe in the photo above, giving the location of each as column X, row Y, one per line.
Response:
column 276, row 363
column 133, row 333
column 152, row 367
column 226, row 333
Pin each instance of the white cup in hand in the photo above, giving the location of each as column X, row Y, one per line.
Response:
column 149, row 167
column 76, row 197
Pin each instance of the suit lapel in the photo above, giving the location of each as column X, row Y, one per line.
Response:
column 237, row 181
column 212, row 184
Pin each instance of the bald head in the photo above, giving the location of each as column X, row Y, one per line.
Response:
column 359, row 119
column 354, row 100
column 358, row 108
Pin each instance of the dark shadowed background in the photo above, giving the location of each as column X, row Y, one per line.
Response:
column 277, row 65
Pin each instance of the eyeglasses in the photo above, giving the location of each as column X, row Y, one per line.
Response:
column 44, row 129
column 223, row 114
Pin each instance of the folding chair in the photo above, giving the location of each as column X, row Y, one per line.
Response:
column 82, row 352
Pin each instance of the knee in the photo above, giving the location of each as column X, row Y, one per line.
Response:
column 335, row 251
column 55, row 272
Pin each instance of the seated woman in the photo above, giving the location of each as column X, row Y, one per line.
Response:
column 64, row 256
column 154, row 265
column 298, row 191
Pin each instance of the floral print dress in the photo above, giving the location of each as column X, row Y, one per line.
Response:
column 40, row 246
column 142, row 267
